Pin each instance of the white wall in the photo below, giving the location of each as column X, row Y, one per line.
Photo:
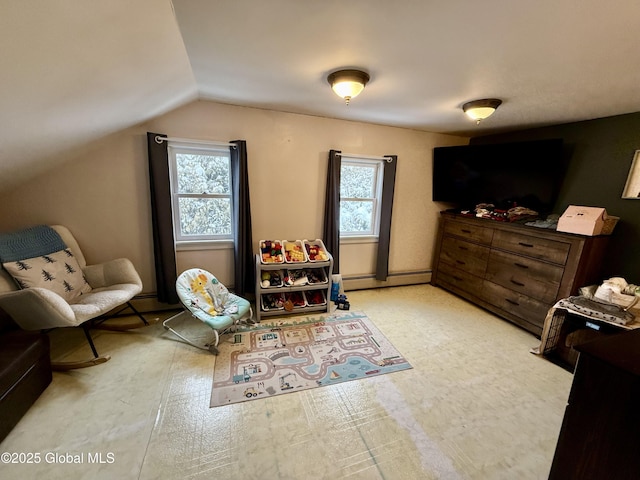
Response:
column 102, row 195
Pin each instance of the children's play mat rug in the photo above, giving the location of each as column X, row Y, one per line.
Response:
column 292, row 354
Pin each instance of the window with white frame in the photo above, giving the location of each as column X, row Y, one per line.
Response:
column 201, row 192
column 360, row 196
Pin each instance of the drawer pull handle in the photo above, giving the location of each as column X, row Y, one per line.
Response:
column 521, row 265
column 512, row 302
column 463, row 248
column 464, row 230
column 517, row 283
column 460, row 262
column 528, row 245
column 457, row 278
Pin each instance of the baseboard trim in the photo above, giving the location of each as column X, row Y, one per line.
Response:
column 148, row 302
column 396, row 279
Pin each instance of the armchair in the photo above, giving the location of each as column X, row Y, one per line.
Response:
column 59, row 289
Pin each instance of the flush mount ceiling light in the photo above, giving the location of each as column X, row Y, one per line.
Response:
column 348, row 83
column 478, row 110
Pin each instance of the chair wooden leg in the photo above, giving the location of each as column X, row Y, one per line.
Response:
column 65, row 366
column 96, row 360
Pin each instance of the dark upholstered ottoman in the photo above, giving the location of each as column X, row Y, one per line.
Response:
column 25, row 371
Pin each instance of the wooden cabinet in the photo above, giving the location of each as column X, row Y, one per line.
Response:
column 515, row 271
column 601, row 427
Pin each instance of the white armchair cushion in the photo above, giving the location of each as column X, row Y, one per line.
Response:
column 58, row 272
column 38, row 308
column 103, row 300
column 112, row 272
column 113, row 283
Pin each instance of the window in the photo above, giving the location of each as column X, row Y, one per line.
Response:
column 201, row 192
column 360, row 197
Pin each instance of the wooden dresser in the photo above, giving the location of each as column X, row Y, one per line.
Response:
column 512, row 270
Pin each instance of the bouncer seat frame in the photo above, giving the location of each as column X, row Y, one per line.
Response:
column 209, row 301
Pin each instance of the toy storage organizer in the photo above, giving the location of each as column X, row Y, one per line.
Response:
column 302, row 279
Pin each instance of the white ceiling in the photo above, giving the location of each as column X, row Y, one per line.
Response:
column 76, row 71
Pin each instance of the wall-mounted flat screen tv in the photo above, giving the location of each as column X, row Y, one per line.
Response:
column 527, row 174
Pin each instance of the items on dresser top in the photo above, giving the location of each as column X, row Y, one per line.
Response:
column 587, row 221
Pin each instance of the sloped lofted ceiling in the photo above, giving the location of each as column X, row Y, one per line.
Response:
column 75, row 71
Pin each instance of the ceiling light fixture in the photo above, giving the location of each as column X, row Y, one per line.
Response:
column 480, row 109
column 348, row 83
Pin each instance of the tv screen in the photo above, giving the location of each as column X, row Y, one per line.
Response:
column 527, row 174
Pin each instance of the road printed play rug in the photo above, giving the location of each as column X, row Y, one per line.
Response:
column 291, row 354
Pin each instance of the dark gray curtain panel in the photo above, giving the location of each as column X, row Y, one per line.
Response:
column 162, row 220
column 331, row 227
column 386, row 208
column 244, row 268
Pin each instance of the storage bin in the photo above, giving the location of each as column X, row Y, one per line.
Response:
column 609, row 224
column 271, row 251
column 315, row 250
column 316, row 276
column 297, row 298
column 315, row 297
column 272, row 301
column 294, row 251
column 296, row 278
column 274, row 278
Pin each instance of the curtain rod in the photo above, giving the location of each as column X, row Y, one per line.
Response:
column 160, row 139
column 368, row 157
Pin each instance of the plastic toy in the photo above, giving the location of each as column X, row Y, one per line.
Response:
column 342, row 302
column 293, row 252
column 271, row 251
column 316, row 253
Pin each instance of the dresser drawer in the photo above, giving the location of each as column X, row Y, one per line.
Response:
column 545, row 249
column 459, row 279
column 518, row 304
column 464, row 255
column 525, row 275
column 474, row 233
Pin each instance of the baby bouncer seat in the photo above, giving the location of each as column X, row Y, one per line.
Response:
column 209, row 301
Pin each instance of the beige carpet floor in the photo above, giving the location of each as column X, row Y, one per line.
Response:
column 476, row 405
